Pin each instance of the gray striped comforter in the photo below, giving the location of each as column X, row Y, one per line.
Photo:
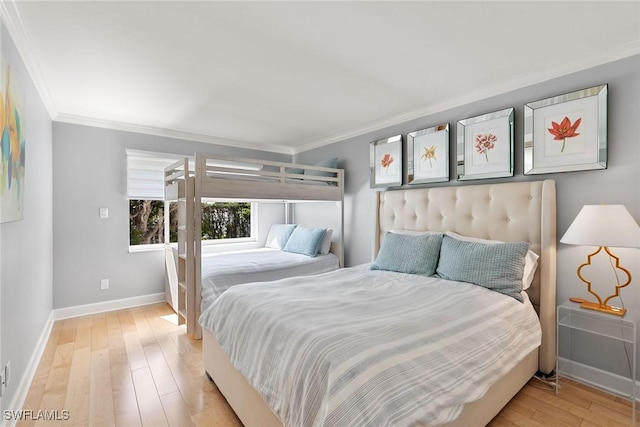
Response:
column 356, row 347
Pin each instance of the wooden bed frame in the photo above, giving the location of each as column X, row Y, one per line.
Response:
column 218, row 177
column 523, row 211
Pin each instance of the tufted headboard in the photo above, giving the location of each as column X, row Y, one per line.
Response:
column 510, row 212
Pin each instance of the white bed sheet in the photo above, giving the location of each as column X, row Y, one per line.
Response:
column 222, row 270
column 359, row 347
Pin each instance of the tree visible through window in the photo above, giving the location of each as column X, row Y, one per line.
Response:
column 146, row 222
column 226, row 220
column 220, row 220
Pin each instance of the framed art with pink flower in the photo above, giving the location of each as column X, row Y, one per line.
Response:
column 428, row 155
column 385, row 162
column 485, row 146
column 566, row 132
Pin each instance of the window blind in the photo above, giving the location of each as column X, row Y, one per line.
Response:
column 145, row 173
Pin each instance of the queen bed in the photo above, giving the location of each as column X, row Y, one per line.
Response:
column 365, row 346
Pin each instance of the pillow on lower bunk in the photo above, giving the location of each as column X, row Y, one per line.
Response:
column 325, row 246
column 407, row 253
column 498, row 266
column 279, row 235
column 305, row 241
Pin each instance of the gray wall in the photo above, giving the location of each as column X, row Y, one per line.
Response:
column 89, row 172
column 619, row 184
column 26, row 245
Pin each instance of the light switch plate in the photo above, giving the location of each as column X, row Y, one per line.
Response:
column 104, row 213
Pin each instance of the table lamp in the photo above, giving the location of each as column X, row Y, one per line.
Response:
column 603, row 226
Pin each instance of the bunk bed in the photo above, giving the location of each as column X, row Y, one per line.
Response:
column 304, row 360
column 209, row 176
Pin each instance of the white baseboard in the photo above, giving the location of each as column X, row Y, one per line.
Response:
column 64, row 313
column 607, row 381
column 25, row 382
column 102, row 307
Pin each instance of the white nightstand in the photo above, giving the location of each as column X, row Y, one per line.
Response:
column 614, row 328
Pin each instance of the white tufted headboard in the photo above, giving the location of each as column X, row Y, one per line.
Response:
column 510, row 212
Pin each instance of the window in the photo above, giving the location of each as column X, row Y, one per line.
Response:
column 148, row 211
column 146, row 222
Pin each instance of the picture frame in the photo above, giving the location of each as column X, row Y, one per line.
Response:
column 485, row 146
column 428, row 155
column 567, row 132
column 385, row 162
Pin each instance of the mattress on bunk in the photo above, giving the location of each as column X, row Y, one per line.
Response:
column 357, row 347
column 220, row 271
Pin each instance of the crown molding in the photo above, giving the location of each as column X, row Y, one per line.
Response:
column 13, row 22
column 10, row 16
column 597, row 58
column 171, row 133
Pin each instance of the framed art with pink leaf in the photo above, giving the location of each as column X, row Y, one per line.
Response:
column 485, row 146
column 385, row 162
column 566, row 132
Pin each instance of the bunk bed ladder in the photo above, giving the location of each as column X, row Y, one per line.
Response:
column 186, row 255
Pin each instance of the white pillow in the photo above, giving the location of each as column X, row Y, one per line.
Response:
column 530, row 260
column 279, row 235
column 325, row 246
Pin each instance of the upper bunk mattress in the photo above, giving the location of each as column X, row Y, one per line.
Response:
column 371, row 348
column 223, row 270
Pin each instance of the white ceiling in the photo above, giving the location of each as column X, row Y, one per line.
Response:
column 289, row 76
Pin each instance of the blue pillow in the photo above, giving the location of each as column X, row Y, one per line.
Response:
column 498, row 266
column 279, row 235
column 331, row 163
column 412, row 254
column 305, row 241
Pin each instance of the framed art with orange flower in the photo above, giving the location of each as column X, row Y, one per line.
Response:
column 385, row 162
column 428, row 155
column 485, row 146
column 566, row 132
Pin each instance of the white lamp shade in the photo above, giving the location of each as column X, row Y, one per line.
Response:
column 603, row 225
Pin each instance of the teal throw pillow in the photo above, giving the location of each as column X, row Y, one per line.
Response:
column 411, row 254
column 498, row 266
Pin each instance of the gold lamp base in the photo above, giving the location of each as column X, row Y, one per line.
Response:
column 602, row 305
column 604, row 308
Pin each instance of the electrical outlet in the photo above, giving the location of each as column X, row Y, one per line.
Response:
column 104, row 284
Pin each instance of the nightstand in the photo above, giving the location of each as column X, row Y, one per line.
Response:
column 614, row 328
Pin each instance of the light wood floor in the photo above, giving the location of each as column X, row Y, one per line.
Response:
column 136, row 367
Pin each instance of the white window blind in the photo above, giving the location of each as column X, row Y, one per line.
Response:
column 145, row 173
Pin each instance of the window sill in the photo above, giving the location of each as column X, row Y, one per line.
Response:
column 146, row 248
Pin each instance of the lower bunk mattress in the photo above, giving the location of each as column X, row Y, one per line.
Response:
column 222, row 270
column 359, row 347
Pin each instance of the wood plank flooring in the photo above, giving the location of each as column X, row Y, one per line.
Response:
column 136, row 367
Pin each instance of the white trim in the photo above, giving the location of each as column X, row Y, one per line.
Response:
column 15, row 27
column 603, row 380
column 25, row 382
column 561, row 69
column 170, row 133
column 13, row 21
column 101, row 307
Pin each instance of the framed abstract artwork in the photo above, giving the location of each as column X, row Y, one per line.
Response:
column 12, row 147
column 428, row 155
column 485, row 146
column 566, row 132
column 385, row 162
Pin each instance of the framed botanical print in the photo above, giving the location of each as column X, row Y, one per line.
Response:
column 566, row 132
column 485, row 146
column 385, row 162
column 428, row 155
